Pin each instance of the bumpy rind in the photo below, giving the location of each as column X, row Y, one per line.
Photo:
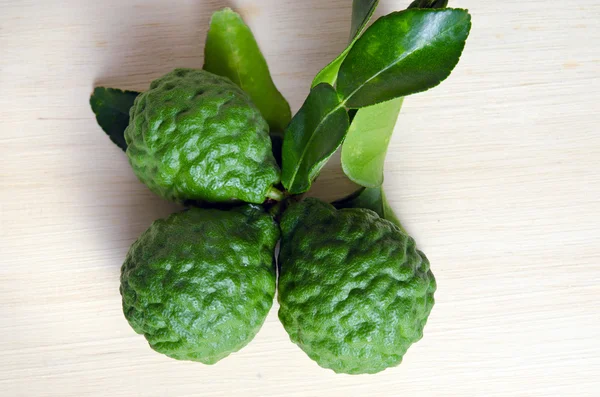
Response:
column 199, row 284
column 197, row 136
column 354, row 292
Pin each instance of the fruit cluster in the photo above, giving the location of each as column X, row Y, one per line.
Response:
column 354, row 291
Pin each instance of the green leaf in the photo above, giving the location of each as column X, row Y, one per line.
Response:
column 428, row 4
column 362, row 10
column 111, row 107
column 370, row 198
column 232, row 51
column 314, row 134
column 329, row 73
column 401, row 54
column 365, row 146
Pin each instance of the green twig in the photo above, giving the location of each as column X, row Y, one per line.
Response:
column 275, row 194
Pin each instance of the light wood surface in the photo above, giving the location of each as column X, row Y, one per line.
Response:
column 496, row 173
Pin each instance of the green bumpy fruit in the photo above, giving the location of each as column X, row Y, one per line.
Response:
column 197, row 136
column 199, row 284
column 354, row 292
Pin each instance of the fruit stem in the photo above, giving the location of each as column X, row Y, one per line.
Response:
column 275, row 194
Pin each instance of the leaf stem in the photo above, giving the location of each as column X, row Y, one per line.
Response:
column 275, row 194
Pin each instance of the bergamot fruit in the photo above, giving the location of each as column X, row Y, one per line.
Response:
column 197, row 136
column 354, row 292
column 199, row 284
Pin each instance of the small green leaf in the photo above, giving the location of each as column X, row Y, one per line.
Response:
column 365, row 146
column 370, row 198
column 362, row 10
column 111, row 107
column 428, row 4
column 314, row 134
column 232, row 51
column 401, row 54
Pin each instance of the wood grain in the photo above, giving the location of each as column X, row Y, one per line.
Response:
column 496, row 173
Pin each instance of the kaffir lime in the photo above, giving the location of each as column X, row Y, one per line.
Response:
column 354, row 291
column 199, row 284
column 197, row 136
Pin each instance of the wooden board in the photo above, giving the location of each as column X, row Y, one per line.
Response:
column 496, row 173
